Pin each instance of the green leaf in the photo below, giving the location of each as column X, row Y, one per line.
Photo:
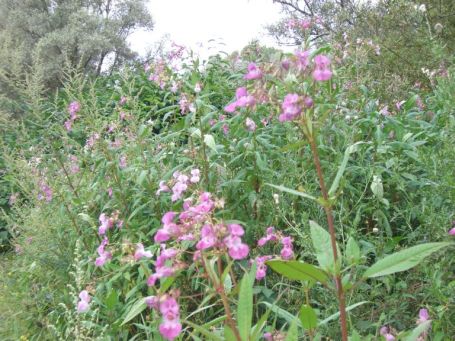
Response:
column 414, row 335
column 403, row 260
column 337, row 314
column 282, row 313
column 298, row 271
column 352, row 251
column 293, row 332
column 204, row 331
column 261, row 323
column 336, row 182
column 376, row 187
column 209, row 140
column 245, row 306
column 292, row 191
column 308, row 317
column 323, row 247
column 136, row 308
column 111, row 299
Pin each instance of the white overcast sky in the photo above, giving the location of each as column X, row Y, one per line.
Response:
column 195, row 22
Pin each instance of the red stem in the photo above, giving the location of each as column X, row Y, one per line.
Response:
column 329, row 214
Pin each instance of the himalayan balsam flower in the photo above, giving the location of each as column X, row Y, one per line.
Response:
column 141, row 253
column 452, row 231
column 385, row 331
column 322, row 70
column 303, row 60
column 253, row 72
column 170, row 326
column 162, row 188
column 291, row 108
column 105, row 224
column 195, row 176
column 243, row 99
column 83, row 304
column 268, row 336
column 104, row 255
column 423, row 316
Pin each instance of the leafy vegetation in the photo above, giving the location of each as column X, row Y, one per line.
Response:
column 260, row 196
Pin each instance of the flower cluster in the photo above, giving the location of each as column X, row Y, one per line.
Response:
column 107, row 222
column 389, row 333
column 253, row 72
column 286, row 252
column 45, row 192
column 243, row 99
column 141, row 253
column 73, row 108
column 180, row 183
column 104, row 255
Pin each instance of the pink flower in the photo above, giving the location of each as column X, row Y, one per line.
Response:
column 261, row 268
column 122, row 162
column 122, row 100
column 250, row 124
column 140, row 252
column 83, row 304
column 322, row 70
column 253, row 72
column 46, row 192
column 184, row 104
column 170, row 326
column 270, row 235
column 243, row 99
column 385, row 331
column 291, row 108
column 106, row 223
column 236, row 249
column 208, row 238
column 104, row 256
column 177, row 190
column 452, row 231
column 195, row 176
column 68, row 125
column 236, row 230
column 109, row 192
column 423, row 316
column 302, row 59
column 286, row 64
column 152, row 302
column 162, row 188
column 225, row 129
column 268, row 336
column 73, row 108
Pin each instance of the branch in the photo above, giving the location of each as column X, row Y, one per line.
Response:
column 295, row 7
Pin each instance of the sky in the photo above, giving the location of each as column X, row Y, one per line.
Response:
column 193, row 23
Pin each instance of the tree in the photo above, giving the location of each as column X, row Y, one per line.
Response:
column 45, row 36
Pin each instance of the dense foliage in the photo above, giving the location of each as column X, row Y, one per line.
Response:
column 260, row 196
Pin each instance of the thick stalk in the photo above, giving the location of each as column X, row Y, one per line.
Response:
column 220, row 290
column 329, row 214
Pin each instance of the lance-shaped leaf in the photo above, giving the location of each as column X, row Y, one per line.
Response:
column 298, row 271
column 403, row 260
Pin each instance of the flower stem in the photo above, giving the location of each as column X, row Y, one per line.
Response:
column 330, row 222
